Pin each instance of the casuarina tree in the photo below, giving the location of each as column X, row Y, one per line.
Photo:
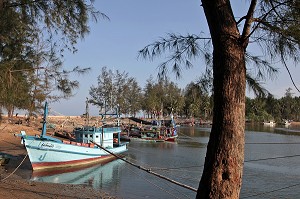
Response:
column 33, row 37
column 274, row 25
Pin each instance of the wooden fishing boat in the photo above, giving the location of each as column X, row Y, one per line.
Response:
column 46, row 152
column 158, row 131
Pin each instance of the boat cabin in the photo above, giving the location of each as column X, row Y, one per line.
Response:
column 100, row 135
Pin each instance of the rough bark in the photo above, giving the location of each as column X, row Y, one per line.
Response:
column 222, row 173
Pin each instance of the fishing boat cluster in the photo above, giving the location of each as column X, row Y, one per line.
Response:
column 155, row 131
column 89, row 145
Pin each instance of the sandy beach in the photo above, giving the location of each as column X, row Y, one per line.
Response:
column 17, row 186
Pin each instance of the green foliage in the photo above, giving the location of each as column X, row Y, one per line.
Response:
column 181, row 49
column 162, row 98
column 33, row 36
column 132, row 97
column 263, row 109
column 278, row 27
column 67, row 20
column 116, row 89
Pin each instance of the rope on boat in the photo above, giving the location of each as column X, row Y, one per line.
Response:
column 271, row 191
column 176, row 168
column 4, row 127
column 273, row 143
column 157, row 186
column 265, row 143
column 147, row 170
column 15, row 169
column 185, row 136
column 147, row 180
column 17, row 166
column 170, row 171
column 273, row 158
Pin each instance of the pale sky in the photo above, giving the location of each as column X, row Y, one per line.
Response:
column 133, row 24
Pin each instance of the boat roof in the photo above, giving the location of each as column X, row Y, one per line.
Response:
column 94, row 129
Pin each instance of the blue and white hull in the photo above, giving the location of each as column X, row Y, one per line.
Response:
column 44, row 154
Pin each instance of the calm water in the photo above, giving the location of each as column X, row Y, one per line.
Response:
column 278, row 177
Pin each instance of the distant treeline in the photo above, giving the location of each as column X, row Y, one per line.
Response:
column 162, row 97
column 269, row 108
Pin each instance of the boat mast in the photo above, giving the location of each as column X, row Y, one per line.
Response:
column 87, row 116
column 44, row 128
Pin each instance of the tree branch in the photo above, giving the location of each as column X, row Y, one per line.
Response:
column 241, row 19
column 263, row 17
column 248, row 22
column 14, row 4
column 285, row 65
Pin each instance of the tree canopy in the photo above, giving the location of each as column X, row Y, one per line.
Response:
column 33, row 37
column 116, row 89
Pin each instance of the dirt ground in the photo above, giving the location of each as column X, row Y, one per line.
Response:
column 16, row 186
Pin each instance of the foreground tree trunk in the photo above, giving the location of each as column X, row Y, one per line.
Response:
column 223, row 169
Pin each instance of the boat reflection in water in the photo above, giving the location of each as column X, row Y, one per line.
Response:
column 94, row 176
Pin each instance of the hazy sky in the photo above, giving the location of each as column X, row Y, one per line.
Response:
column 133, row 24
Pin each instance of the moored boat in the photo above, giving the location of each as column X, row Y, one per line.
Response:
column 269, row 123
column 286, row 123
column 158, row 131
column 46, row 152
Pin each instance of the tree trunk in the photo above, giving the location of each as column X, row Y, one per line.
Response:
column 0, row 114
column 223, row 168
column 10, row 111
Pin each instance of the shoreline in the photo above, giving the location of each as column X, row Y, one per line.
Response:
column 16, row 185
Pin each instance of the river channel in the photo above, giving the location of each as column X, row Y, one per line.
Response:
column 271, row 169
